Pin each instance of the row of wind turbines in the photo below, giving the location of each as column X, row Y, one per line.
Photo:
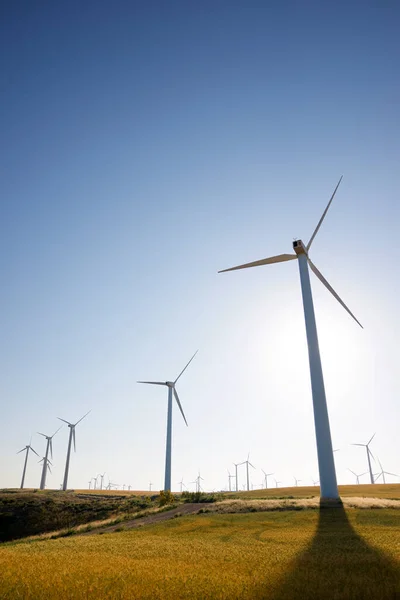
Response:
column 326, row 465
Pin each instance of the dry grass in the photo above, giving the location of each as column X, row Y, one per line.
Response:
column 388, row 490
column 258, row 505
column 281, row 555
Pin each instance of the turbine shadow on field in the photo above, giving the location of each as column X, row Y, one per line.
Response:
column 339, row 564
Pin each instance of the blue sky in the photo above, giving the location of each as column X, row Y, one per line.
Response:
column 144, row 147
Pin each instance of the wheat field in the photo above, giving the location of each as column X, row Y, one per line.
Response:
column 332, row 553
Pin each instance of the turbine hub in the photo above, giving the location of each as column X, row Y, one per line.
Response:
column 170, row 384
column 299, row 247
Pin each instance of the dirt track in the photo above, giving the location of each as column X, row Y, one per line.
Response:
column 181, row 510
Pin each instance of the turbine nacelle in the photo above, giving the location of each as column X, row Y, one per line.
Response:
column 299, row 247
column 170, row 384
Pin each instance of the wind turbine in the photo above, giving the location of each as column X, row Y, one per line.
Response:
column 197, row 482
column 150, row 484
column 236, row 465
column 71, row 436
column 47, row 462
column 171, row 390
column 230, row 477
column 26, row 449
column 182, row 484
column 101, row 479
column 247, row 463
column 369, row 453
column 266, row 475
column 315, row 482
column 326, row 465
column 49, row 447
column 357, row 476
column 383, row 473
column 296, row 481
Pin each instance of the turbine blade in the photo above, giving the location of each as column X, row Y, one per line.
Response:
column 56, row 431
column 67, row 422
column 19, row 451
column 394, row 474
column 33, row 450
column 82, row 418
column 51, row 447
column 182, row 372
column 38, row 432
column 323, row 215
column 251, row 465
column 368, row 450
column 48, row 466
column 264, row 261
column 363, row 445
column 376, row 478
column 371, row 439
column 180, row 406
column 332, row 291
column 73, row 437
column 153, row 382
column 353, row 473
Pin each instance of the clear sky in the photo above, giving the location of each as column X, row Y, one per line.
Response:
column 146, row 145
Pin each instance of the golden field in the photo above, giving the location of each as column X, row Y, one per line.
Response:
column 329, row 553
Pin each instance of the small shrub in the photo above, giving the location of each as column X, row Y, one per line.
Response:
column 165, row 498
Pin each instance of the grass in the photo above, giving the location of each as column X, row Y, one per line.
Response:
column 388, row 490
column 331, row 553
column 26, row 513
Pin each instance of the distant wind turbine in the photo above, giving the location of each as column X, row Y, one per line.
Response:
column 327, row 472
column 236, row 465
column 26, row 449
column 383, row 473
column 49, row 447
column 266, row 475
column 296, row 481
column 247, row 463
column 171, row 390
column 47, row 462
column 150, row 484
column 71, row 436
column 315, row 482
column 182, row 484
column 369, row 453
column 357, row 476
column 276, row 482
column 230, row 477
column 101, row 479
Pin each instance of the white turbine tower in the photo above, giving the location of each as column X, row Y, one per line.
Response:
column 326, row 463
column 26, row 449
column 357, row 476
column 71, row 436
column 230, row 477
column 247, row 463
column 171, row 390
column 369, row 453
column 236, row 465
column 266, row 475
column 296, row 481
column 49, row 447
column 276, row 482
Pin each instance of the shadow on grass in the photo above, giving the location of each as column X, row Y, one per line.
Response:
column 339, row 565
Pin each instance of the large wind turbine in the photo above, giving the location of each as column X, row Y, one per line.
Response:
column 171, row 390
column 326, row 463
column 49, row 446
column 71, row 436
column 247, row 463
column 369, row 453
column 27, row 448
